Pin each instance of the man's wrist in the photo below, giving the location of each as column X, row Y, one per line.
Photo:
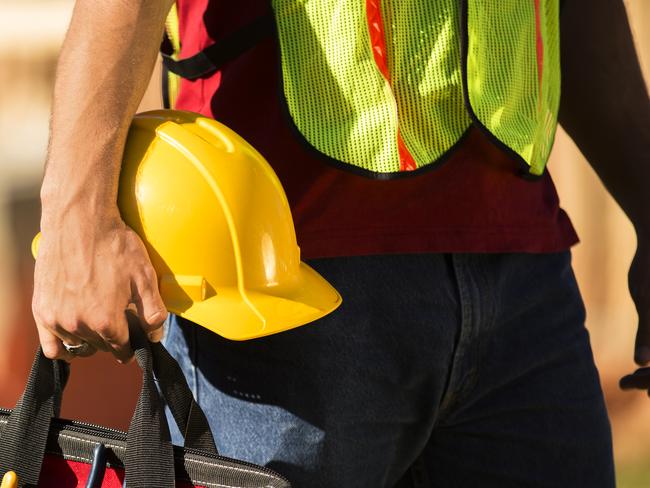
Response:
column 77, row 190
column 81, row 207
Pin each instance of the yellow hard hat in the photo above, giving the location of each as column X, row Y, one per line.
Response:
column 217, row 226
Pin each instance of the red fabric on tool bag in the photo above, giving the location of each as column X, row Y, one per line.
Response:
column 59, row 473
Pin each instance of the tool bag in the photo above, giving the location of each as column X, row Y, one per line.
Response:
column 49, row 452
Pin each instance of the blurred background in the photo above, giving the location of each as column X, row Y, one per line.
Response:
column 31, row 32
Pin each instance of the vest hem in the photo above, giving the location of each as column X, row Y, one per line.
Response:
column 446, row 240
column 350, row 168
column 302, row 140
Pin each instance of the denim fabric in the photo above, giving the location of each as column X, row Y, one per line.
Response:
column 458, row 370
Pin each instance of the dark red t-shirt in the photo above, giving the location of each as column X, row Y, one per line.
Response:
column 474, row 202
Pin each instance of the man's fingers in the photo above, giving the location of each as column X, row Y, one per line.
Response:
column 52, row 336
column 640, row 380
column 116, row 335
column 51, row 345
column 88, row 351
column 156, row 335
column 149, row 303
column 81, row 333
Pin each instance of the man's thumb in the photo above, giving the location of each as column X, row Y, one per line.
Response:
column 151, row 308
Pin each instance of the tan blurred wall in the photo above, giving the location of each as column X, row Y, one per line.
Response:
column 31, row 32
column 30, row 35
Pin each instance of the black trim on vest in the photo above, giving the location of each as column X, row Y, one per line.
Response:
column 212, row 58
column 357, row 170
column 524, row 170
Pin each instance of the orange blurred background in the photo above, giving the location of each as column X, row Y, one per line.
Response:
column 103, row 392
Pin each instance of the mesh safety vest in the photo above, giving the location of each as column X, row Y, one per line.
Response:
column 389, row 87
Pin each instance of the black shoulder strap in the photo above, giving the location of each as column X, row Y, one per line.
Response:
column 230, row 47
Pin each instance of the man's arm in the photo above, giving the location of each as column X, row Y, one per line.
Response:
column 606, row 111
column 90, row 264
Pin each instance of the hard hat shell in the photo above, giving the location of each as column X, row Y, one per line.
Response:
column 218, row 228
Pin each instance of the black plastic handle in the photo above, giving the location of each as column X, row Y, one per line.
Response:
column 149, row 458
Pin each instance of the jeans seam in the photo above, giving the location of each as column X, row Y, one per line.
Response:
column 488, row 317
column 450, row 395
column 469, row 325
column 471, row 346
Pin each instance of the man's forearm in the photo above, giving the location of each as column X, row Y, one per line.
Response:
column 605, row 107
column 105, row 65
column 90, row 265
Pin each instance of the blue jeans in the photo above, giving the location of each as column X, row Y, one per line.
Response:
column 438, row 370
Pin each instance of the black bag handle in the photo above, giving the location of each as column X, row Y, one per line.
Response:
column 149, row 458
column 188, row 415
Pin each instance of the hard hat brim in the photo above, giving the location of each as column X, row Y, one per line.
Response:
column 246, row 314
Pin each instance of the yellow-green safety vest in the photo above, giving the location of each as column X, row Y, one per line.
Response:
column 390, row 87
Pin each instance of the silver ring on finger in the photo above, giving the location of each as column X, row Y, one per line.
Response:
column 77, row 349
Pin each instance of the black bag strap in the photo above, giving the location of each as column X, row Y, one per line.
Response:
column 213, row 57
column 149, row 458
column 149, row 452
column 189, row 417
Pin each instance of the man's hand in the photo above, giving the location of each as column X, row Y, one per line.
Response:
column 87, row 274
